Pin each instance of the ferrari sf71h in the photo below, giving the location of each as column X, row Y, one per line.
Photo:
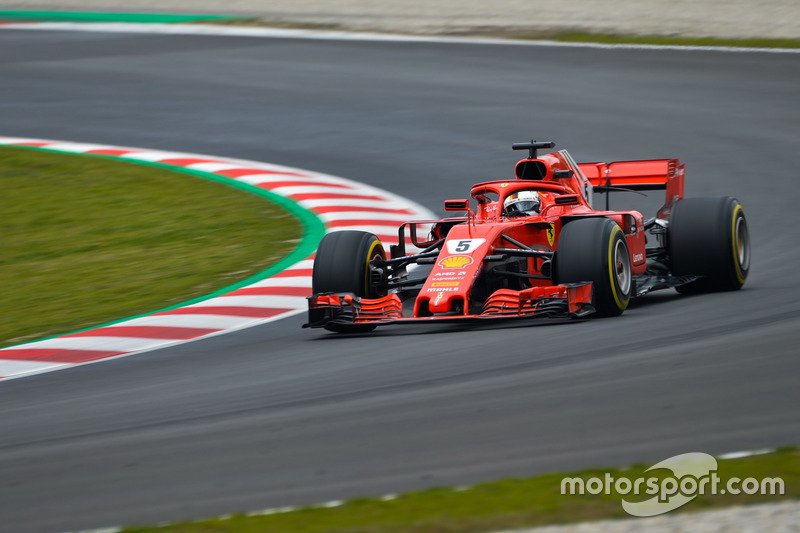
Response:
column 534, row 246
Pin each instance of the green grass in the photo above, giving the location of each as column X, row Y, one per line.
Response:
column 511, row 503
column 89, row 240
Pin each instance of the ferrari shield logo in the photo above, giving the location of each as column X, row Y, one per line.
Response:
column 551, row 234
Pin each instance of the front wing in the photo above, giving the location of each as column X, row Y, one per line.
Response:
column 330, row 310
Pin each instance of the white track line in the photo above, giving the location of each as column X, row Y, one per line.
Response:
column 279, row 33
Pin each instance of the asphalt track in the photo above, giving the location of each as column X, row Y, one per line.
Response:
column 276, row 415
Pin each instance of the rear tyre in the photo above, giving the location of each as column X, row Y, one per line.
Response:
column 342, row 264
column 709, row 237
column 595, row 249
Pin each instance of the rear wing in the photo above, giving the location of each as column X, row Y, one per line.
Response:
column 647, row 175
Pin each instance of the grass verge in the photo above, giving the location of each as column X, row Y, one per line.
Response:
column 89, row 240
column 511, row 503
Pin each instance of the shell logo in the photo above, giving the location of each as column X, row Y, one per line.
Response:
column 455, row 261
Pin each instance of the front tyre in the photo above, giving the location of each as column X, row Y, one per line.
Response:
column 345, row 262
column 709, row 237
column 595, row 249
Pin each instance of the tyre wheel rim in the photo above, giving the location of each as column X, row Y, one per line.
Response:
column 622, row 267
column 742, row 243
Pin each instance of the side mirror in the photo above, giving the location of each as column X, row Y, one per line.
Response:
column 567, row 199
column 563, row 174
column 456, row 205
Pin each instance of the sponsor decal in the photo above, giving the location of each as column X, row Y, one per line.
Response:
column 464, row 246
column 457, row 275
column 637, row 258
column 438, row 298
column 551, row 234
column 442, row 290
column 455, row 261
column 445, row 284
column 504, row 184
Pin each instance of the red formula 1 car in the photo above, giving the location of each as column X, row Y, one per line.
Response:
column 534, row 247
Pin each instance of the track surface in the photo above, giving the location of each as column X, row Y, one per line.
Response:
column 276, row 415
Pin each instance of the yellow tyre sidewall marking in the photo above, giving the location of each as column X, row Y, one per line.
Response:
column 612, row 270
column 370, row 255
column 735, row 244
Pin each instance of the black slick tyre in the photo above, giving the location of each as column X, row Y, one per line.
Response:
column 595, row 249
column 709, row 237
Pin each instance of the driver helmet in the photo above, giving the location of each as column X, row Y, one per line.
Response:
column 522, row 203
